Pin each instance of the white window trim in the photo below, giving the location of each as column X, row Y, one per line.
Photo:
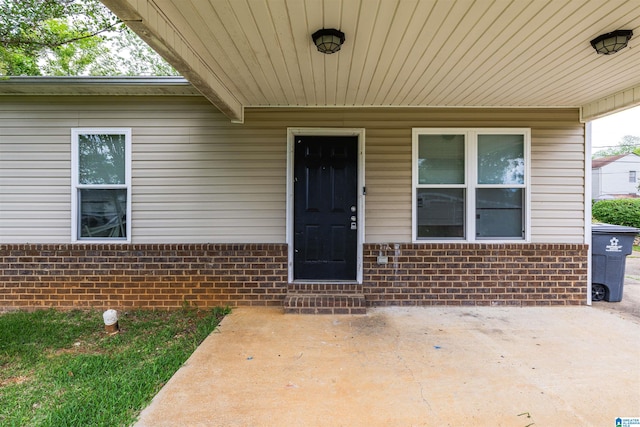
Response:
column 471, row 135
column 75, row 186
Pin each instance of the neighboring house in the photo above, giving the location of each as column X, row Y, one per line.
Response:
column 615, row 177
column 438, row 158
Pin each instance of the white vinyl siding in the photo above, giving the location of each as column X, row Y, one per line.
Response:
column 209, row 181
column 557, row 160
column 209, row 187
column 196, row 177
column 35, row 177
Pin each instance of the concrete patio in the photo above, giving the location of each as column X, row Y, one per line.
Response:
column 435, row 366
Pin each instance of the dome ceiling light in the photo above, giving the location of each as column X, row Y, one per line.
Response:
column 328, row 40
column 610, row 43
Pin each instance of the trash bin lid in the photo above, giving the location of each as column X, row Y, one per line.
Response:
column 615, row 229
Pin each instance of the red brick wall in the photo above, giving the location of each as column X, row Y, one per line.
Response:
column 166, row 275
column 476, row 274
column 152, row 275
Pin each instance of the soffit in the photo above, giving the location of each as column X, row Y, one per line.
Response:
column 462, row 53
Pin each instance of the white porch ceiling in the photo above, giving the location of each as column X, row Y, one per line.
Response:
column 462, row 53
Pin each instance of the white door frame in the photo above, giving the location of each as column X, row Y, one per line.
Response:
column 291, row 134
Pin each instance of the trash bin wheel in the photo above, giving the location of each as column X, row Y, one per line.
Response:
column 597, row 292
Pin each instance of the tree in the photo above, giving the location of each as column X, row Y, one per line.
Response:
column 71, row 37
column 629, row 144
column 135, row 58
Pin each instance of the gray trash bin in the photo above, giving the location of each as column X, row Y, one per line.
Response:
column 610, row 245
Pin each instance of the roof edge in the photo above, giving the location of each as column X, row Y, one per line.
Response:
column 90, row 80
column 96, row 85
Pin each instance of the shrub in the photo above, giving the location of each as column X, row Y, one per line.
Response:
column 619, row 212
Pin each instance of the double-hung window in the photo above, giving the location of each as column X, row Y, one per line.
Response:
column 471, row 184
column 101, row 185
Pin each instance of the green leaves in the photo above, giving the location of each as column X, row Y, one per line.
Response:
column 27, row 23
column 629, row 144
column 71, row 37
column 619, row 212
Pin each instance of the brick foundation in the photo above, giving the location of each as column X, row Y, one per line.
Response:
column 168, row 275
column 147, row 276
column 476, row 274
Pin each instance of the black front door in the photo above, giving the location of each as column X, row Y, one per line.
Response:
column 325, row 207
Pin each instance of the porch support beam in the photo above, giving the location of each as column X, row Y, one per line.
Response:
column 152, row 26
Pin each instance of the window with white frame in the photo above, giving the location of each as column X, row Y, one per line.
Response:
column 101, row 184
column 632, row 176
column 470, row 184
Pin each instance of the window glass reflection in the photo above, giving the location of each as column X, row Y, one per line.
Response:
column 440, row 212
column 101, row 159
column 500, row 159
column 441, row 159
column 103, row 213
column 499, row 212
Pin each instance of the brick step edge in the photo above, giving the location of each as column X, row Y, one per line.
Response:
column 324, row 288
column 306, row 303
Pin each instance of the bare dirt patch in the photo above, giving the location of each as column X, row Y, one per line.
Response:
column 13, row 381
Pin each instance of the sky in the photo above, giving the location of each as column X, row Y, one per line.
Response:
column 609, row 131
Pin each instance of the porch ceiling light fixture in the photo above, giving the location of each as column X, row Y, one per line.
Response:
column 328, row 40
column 610, row 43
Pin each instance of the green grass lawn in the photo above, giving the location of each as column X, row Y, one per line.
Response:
column 62, row 368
